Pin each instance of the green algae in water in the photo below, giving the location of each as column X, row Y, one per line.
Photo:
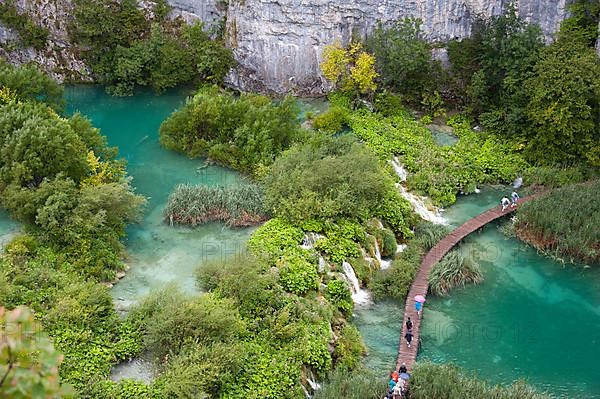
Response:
column 159, row 254
column 531, row 318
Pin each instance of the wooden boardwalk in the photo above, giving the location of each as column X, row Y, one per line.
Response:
column 420, row 284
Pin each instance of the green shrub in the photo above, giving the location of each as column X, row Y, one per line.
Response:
column 31, row 34
column 452, row 271
column 325, row 178
column 31, row 84
column 125, row 49
column 297, row 274
column 389, row 245
column 273, row 238
column 246, row 133
column 339, row 294
column 349, row 348
column 332, row 120
column 236, row 205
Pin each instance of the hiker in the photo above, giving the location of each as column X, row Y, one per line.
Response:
column 398, row 388
column 419, row 305
column 403, row 368
column 395, row 376
column 392, row 384
column 505, row 203
column 515, row 197
column 409, row 324
column 408, row 336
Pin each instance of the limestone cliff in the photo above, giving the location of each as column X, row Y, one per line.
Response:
column 278, row 43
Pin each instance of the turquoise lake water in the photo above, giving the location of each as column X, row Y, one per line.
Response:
column 531, row 318
column 159, row 254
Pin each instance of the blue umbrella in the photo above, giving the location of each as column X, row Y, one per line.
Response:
column 404, row 376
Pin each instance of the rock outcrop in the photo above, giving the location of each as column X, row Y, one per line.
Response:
column 278, row 43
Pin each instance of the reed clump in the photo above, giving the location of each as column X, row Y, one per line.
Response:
column 236, row 206
column 564, row 222
column 454, row 270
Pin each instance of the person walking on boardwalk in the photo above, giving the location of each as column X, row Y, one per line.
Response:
column 505, row 203
column 408, row 337
column 403, row 368
column 409, row 324
column 418, row 307
column 514, row 197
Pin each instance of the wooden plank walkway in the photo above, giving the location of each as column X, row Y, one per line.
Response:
column 420, row 284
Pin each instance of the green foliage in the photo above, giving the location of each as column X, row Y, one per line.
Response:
column 240, row 205
column 430, row 380
column 297, row 274
column 357, row 384
column 439, row 172
column 339, row 294
column 170, row 321
column 552, row 176
column 325, row 178
column 564, row 222
column 404, row 58
column 245, row 133
column 350, row 70
column 565, row 104
column 453, row 270
column 273, row 238
column 388, row 241
column 332, row 120
column 125, row 49
column 349, row 348
column 31, row 34
column 50, row 179
column 28, row 360
column 30, row 84
column 583, row 21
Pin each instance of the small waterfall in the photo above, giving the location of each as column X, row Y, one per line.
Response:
column 359, row 296
column 518, row 182
column 417, row 202
column 312, row 381
column 383, row 264
column 310, row 239
column 322, row 264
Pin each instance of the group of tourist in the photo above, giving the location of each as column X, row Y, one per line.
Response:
column 512, row 202
column 398, row 383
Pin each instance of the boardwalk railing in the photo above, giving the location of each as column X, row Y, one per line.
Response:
column 420, row 284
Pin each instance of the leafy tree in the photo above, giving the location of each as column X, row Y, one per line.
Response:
column 29, row 83
column 350, row 69
column 29, row 32
column 28, row 361
column 404, row 58
column 327, row 179
column 246, row 133
column 583, row 21
column 565, row 104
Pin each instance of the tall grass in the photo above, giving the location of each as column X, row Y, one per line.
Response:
column 235, row 205
column 432, row 381
column 356, row 384
column 452, row 271
column 564, row 222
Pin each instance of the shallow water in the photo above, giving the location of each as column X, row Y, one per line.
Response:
column 159, row 254
column 442, row 134
column 8, row 228
column 531, row 318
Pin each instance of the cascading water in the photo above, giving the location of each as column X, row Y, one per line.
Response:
column 417, row 202
column 310, row 239
column 359, row 296
column 383, row 264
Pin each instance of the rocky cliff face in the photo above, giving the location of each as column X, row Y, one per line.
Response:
column 59, row 58
column 278, row 43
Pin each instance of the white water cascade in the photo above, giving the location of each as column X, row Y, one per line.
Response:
column 359, row 296
column 417, row 202
column 383, row 264
column 310, row 239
